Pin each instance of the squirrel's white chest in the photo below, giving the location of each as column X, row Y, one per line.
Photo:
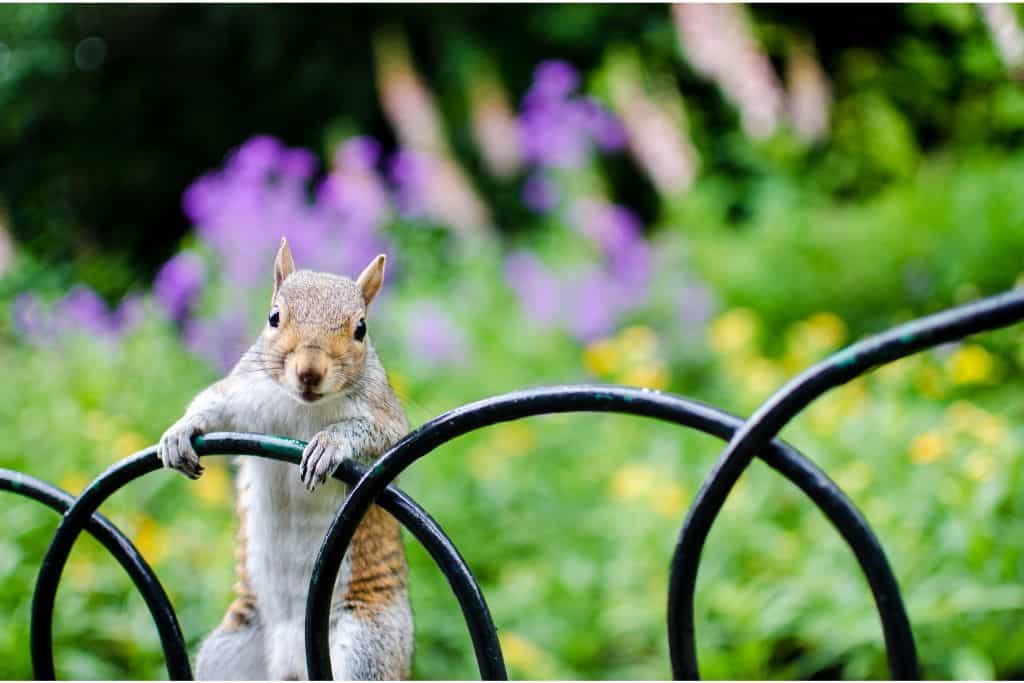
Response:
column 284, row 522
column 284, row 526
column 265, row 408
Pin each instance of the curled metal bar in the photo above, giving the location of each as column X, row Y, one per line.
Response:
column 104, row 531
column 840, row 511
column 404, row 509
column 772, row 416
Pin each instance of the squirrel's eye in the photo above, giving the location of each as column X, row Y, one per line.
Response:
column 360, row 329
column 274, row 319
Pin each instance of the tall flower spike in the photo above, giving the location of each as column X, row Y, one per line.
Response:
column 719, row 44
column 6, row 247
column 494, row 124
column 810, row 96
column 1006, row 32
column 447, row 195
column 655, row 124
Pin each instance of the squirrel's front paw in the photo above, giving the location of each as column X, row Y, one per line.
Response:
column 321, row 457
column 175, row 449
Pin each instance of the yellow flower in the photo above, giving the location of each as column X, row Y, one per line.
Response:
column 826, row 330
column 633, row 481
column 971, row 364
column 928, row 381
column 990, row 430
column 961, row 415
column 513, row 438
column 983, row 426
column 980, row 466
column 214, row 487
column 809, row 340
column 127, row 443
column 928, row 447
column 73, row 482
column 669, row 500
column 151, row 540
column 896, row 372
column 733, row 331
column 652, row 375
column 487, row 458
column 602, row 357
column 524, row 655
column 759, row 375
column 638, row 342
column 629, row 358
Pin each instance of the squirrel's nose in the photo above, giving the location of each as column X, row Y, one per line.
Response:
column 309, row 377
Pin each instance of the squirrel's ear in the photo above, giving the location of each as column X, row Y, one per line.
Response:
column 283, row 265
column 372, row 278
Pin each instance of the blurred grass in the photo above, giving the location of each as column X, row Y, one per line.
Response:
column 569, row 521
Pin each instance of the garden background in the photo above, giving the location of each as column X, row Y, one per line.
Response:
column 697, row 199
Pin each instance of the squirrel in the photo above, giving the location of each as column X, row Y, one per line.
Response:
column 312, row 375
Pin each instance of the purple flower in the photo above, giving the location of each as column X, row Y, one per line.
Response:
column 631, row 268
column 596, row 304
column 696, row 306
column 200, row 199
column 129, row 314
column 83, row 310
column 594, row 299
column 178, row 284
column 605, row 129
column 539, row 193
column 536, row 288
column 554, row 79
column 360, row 152
column 609, row 227
column 553, row 135
column 409, row 172
column 80, row 311
column 297, row 164
column 354, row 189
column 559, row 131
column 221, row 341
column 257, row 157
column 32, row 321
column 434, row 335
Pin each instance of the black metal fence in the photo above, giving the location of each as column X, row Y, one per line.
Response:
column 755, row 436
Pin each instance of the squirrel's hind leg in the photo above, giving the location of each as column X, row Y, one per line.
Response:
column 233, row 653
column 373, row 644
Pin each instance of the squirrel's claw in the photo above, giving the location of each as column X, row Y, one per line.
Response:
column 319, row 460
column 176, row 452
column 307, row 466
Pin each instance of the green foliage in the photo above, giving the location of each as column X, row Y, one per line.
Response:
column 569, row 521
column 952, row 231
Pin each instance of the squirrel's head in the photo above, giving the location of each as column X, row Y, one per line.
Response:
column 315, row 339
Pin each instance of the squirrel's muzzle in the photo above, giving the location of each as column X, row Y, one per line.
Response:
column 311, row 365
column 309, row 378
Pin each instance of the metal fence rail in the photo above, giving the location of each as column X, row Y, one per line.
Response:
column 746, row 439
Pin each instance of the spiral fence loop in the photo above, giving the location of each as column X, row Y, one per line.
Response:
column 746, row 439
